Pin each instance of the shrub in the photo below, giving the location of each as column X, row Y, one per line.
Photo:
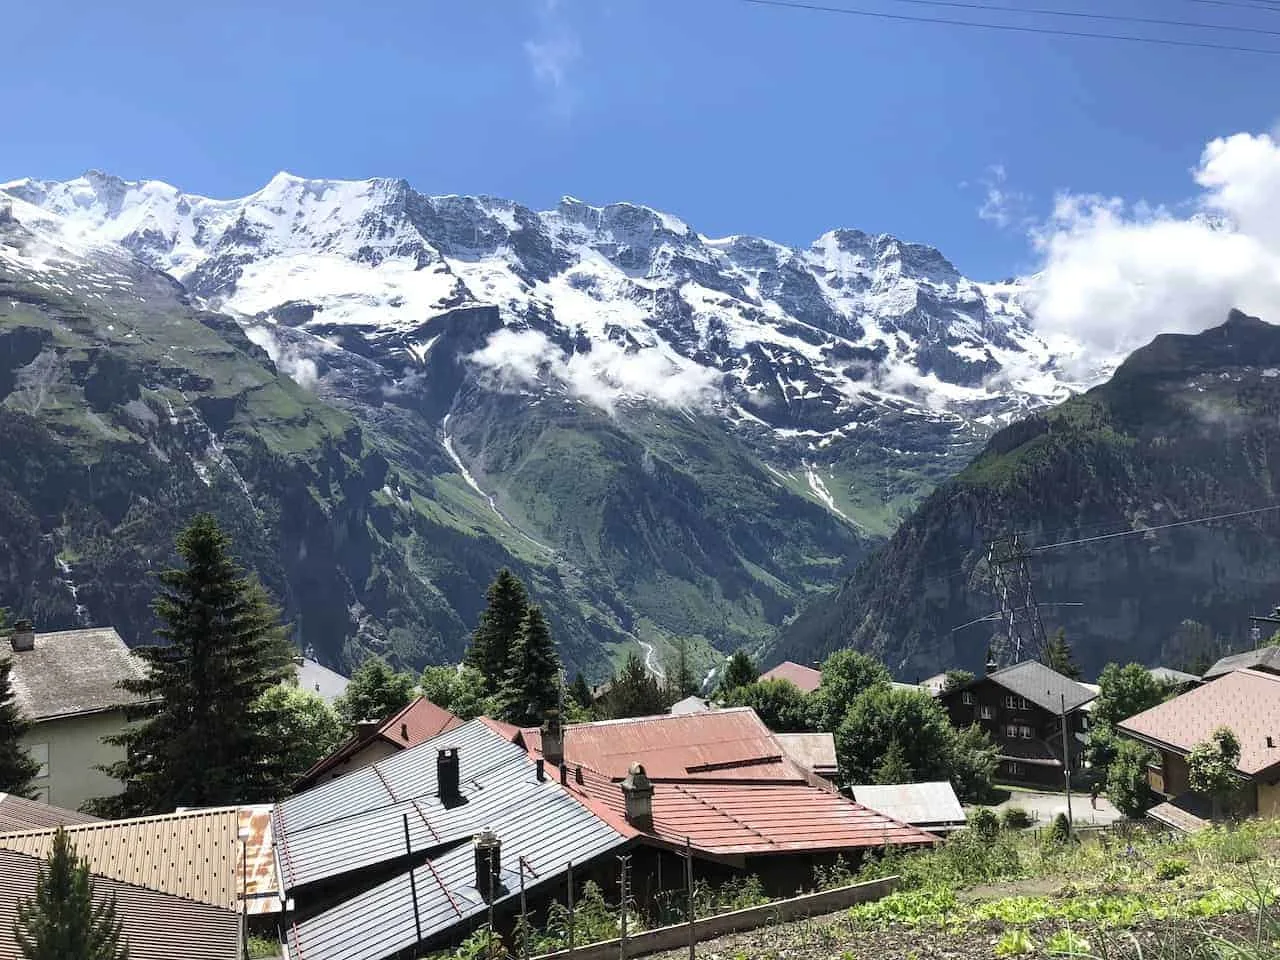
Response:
column 1015, row 818
column 984, row 823
column 1171, row 867
column 1064, row 943
column 1060, row 832
column 1014, row 943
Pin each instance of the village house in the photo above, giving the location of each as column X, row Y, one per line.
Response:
column 378, row 739
column 1022, row 707
column 806, row 678
column 1264, row 660
column 316, row 678
column 67, row 685
column 1245, row 701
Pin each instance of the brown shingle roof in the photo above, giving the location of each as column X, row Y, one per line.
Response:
column 806, row 678
column 1247, row 701
column 19, row 813
column 191, row 855
column 155, row 926
column 72, row 672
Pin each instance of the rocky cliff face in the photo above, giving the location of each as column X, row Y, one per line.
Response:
column 1185, row 429
column 673, row 435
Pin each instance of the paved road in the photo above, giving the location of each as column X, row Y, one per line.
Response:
column 1046, row 806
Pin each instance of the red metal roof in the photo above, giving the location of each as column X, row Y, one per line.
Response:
column 748, row 819
column 1247, row 701
column 732, row 744
column 806, row 678
column 417, row 723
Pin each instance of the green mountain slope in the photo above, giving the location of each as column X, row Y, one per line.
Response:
column 124, row 409
column 1188, row 427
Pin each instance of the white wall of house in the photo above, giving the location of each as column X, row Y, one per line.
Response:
column 70, row 748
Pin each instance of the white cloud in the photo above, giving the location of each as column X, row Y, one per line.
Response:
column 603, row 376
column 1115, row 274
column 552, row 54
column 1001, row 205
column 287, row 360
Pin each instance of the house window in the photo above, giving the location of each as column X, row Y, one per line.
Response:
column 40, row 753
column 1010, row 701
column 1025, row 733
column 1011, row 730
column 968, row 699
column 1014, row 767
column 1084, row 721
column 988, row 713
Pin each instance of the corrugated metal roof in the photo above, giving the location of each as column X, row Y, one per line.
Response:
column 72, row 672
column 806, row 678
column 18, row 813
column 319, row 679
column 1168, row 675
column 191, row 855
column 1044, row 687
column 915, row 803
column 1265, row 659
column 731, row 744
column 415, row 724
column 750, row 819
column 155, row 926
column 535, row 820
column 1247, row 701
column 260, row 885
column 812, row 751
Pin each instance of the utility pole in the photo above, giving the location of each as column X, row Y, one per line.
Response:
column 1009, row 564
column 1255, row 632
column 1066, row 763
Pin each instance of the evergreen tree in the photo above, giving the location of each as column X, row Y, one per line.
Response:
column 580, row 692
column 533, row 679
column 739, row 671
column 374, row 693
column 199, row 736
column 61, row 922
column 894, row 768
column 1057, row 656
column 17, row 767
column 682, row 682
column 498, row 631
column 634, row 693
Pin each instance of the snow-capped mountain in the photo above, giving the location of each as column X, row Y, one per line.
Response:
column 614, row 302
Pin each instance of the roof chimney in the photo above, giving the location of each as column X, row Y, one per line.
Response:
column 448, row 775
column 488, row 864
column 367, row 728
column 577, row 774
column 1271, row 743
column 564, row 775
column 637, row 793
column 23, row 637
column 553, row 738
column 540, row 769
column 404, row 732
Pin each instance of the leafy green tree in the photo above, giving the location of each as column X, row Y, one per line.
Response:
column 972, row 762
column 633, row 693
column 1126, row 778
column 1126, row 691
column 375, row 692
column 783, row 706
column 1058, row 656
column 460, row 690
column 580, row 692
column 739, row 671
column 498, row 633
column 1101, row 748
column 894, row 768
column 881, row 715
column 302, row 727
column 1211, row 767
column 61, row 922
column 956, row 679
column 845, row 675
column 199, row 736
column 533, row 679
column 17, row 767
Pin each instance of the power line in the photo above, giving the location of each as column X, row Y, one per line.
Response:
column 1082, row 15
column 1008, row 27
column 1264, row 6
column 1162, row 526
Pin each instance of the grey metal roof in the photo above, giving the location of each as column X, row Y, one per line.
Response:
column 693, row 704
column 1172, row 677
column 1044, row 687
column 72, row 672
column 1266, row 658
column 537, row 821
column 319, row 679
column 918, row 804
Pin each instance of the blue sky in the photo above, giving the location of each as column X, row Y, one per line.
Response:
column 740, row 119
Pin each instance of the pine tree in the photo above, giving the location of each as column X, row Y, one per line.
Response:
column 498, row 631
column 62, row 922
column 533, row 679
column 634, row 693
column 1057, row 656
column 740, row 671
column 682, row 682
column 17, row 767
column 580, row 691
column 201, row 737
column 894, row 768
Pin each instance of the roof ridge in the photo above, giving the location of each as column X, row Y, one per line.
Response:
column 128, row 821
